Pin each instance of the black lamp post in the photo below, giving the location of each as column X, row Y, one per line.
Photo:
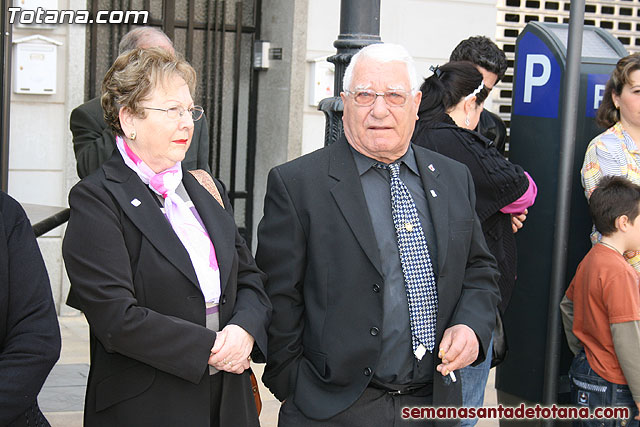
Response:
column 359, row 27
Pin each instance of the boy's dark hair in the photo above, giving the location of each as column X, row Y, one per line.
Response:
column 615, row 196
column 482, row 52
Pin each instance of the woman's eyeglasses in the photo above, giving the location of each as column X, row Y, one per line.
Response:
column 174, row 113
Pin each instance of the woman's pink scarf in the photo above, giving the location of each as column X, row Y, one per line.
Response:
column 182, row 219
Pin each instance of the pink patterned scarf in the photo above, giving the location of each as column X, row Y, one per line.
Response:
column 182, row 219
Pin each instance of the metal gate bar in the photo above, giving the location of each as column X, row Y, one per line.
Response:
column 191, row 12
column 211, row 31
column 219, row 88
column 252, row 132
column 236, row 100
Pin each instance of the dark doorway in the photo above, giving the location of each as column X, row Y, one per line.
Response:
column 216, row 37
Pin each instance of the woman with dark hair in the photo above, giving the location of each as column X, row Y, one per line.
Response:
column 454, row 94
column 452, row 100
column 615, row 151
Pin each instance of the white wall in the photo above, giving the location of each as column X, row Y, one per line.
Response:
column 41, row 160
column 429, row 29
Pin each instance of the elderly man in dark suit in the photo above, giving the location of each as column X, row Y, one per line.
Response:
column 379, row 276
column 93, row 142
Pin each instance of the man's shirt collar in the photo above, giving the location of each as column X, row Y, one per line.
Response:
column 364, row 163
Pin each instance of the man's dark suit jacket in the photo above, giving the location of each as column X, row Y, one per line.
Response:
column 29, row 333
column 93, row 142
column 134, row 281
column 317, row 245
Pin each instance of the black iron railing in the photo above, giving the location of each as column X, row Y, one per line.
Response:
column 45, row 218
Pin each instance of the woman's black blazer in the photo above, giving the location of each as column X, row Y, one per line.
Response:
column 135, row 283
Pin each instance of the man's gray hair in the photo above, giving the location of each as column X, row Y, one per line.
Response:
column 383, row 52
column 135, row 37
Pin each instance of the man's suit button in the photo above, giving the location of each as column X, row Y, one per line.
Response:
column 223, row 300
column 367, row 371
column 374, row 331
column 376, row 288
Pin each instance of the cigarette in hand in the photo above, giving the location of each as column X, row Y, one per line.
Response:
column 453, row 376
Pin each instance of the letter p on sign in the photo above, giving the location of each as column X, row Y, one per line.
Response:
column 530, row 80
column 598, row 95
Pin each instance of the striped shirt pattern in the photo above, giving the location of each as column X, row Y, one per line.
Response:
column 613, row 152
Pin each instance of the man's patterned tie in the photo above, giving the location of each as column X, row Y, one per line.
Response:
column 419, row 280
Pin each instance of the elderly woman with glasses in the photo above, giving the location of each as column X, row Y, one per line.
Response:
column 172, row 295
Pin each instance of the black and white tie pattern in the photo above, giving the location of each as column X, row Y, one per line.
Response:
column 419, row 280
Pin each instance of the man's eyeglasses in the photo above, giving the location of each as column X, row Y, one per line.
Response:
column 366, row 97
column 174, row 113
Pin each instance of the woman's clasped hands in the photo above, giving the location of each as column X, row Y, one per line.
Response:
column 231, row 350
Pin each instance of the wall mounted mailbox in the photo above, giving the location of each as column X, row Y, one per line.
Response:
column 35, row 64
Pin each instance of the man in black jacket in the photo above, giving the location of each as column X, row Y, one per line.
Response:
column 492, row 63
column 29, row 332
column 344, row 269
column 93, row 142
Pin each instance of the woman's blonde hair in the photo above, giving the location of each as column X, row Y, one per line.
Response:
column 134, row 76
column 608, row 115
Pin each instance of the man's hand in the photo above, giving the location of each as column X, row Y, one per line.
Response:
column 637, row 417
column 517, row 221
column 231, row 350
column 458, row 348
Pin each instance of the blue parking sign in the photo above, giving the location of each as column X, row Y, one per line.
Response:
column 595, row 91
column 537, row 84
